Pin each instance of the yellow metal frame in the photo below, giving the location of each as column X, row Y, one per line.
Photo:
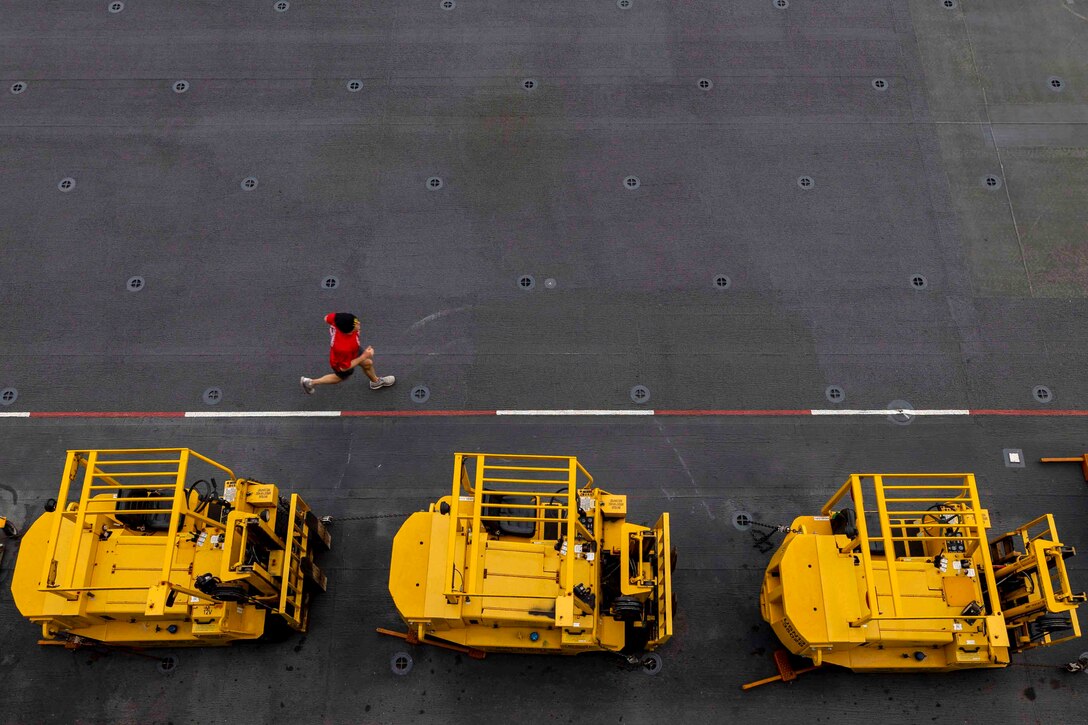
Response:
column 664, row 590
column 973, row 520
column 295, row 561
column 529, row 487
column 92, row 461
column 1042, row 552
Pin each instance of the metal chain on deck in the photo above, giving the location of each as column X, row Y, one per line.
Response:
column 779, row 529
column 337, row 519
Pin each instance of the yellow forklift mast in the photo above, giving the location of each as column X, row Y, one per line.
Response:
column 526, row 555
column 138, row 551
column 896, row 574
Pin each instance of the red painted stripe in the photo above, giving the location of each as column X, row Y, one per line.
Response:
column 413, row 413
column 1010, row 412
column 1026, row 413
column 733, row 412
column 105, row 414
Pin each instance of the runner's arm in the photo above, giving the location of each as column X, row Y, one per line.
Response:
column 368, row 353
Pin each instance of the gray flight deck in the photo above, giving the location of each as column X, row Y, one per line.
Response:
column 891, row 192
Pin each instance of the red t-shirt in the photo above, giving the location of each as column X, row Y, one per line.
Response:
column 343, row 347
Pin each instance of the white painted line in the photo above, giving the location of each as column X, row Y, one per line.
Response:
column 262, row 414
column 903, row 411
column 21, row 414
column 574, row 412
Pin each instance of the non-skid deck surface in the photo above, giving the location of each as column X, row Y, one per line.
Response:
column 734, row 205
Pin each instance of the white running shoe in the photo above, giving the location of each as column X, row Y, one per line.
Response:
column 307, row 385
column 383, row 382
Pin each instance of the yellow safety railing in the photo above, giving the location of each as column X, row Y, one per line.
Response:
column 902, row 521
column 542, row 478
column 296, row 553
column 119, row 475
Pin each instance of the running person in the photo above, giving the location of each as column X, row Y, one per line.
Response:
column 346, row 354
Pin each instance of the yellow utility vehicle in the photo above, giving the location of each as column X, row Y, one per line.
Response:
column 147, row 554
column 527, row 555
column 896, row 574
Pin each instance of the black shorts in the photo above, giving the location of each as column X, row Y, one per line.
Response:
column 344, row 374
